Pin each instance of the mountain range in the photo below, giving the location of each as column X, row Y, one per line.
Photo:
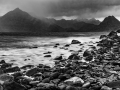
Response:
column 21, row 21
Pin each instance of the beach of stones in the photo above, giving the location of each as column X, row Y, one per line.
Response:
column 97, row 69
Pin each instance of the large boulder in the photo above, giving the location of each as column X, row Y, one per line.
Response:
column 46, row 86
column 74, row 57
column 102, row 37
column 58, row 58
column 75, row 81
column 75, row 42
column 89, row 52
column 12, row 69
column 32, row 72
column 14, row 86
column 112, row 34
column 114, row 84
column 6, row 79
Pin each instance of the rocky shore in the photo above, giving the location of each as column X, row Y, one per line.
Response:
column 100, row 71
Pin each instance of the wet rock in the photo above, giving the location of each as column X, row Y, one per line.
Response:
column 2, row 62
column 88, row 52
column 46, row 80
column 46, row 74
column 63, row 77
column 47, row 52
column 62, row 87
column 74, row 81
column 89, row 58
column 47, row 56
column 75, row 42
column 6, row 65
column 105, row 88
column 54, row 75
column 14, row 86
column 112, row 34
column 1, row 71
column 58, row 58
column 34, row 82
column 102, row 37
column 86, row 85
column 6, row 79
column 113, row 84
column 67, row 45
column 106, row 43
column 47, row 86
column 32, row 72
column 27, row 66
column 17, row 74
column 115, row 63
column 12, row 69
column 57, row 44
column 74, row 57
column 72, row 88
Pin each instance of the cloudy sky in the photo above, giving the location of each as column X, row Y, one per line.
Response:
column 68, row 9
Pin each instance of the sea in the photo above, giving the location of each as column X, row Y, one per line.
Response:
column 31, row 50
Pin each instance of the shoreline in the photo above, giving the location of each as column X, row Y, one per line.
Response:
column 100, row 71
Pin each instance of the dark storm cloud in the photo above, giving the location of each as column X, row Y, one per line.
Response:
column 59, row 8
column 83, row 7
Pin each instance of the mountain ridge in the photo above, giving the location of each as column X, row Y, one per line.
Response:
column 21, row 21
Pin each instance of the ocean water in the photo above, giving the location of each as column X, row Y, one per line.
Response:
column 24, row 50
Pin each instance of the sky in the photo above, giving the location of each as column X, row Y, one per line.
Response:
column 67, row 9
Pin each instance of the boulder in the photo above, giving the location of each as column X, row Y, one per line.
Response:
column 75, row 42
column 89, row 58
column 47, row 56
column 2, row 62
column 74, row 57
column 27, row 66
column 6, row 65
column 72, row 88
column 12, row 69
column 54, row 75
column 105, row 88
column 102, row 37
column 113, row 84
column 67, row 45
column 58, row 58
column 46, row 86
column 112, row 34
column 89, row 52
column 14, row 86
column 32, row 72
column 75, row 81
column 6, row 79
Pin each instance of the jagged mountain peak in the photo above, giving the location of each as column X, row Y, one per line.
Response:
column 16, row 13
column 110, row 19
